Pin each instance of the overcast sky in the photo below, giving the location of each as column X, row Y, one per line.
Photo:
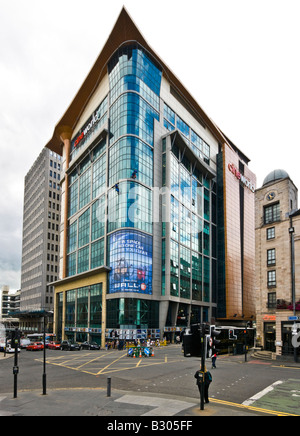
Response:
column 238, row 58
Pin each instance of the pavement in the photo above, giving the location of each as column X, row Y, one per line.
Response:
column 95, row 402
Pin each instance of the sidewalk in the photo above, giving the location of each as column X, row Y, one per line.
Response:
column 94, row 402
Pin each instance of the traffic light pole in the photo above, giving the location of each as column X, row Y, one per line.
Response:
column 203, row 353
column 246, row 346
column 15, row 343
column 15, row 372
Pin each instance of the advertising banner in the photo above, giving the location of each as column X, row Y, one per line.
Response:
column 130, row 262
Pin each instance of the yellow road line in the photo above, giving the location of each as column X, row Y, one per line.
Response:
column 255, row 409
column 103, row 369
column 138, row 364
column 90, row 361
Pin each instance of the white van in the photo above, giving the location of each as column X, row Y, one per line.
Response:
column 24, row 343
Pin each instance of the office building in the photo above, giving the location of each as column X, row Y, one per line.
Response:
column 157, row 204
column 9, row 304
column 40, row 243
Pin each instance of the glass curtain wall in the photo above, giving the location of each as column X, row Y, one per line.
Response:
column 87, row 187
column 193, row 244
column 135, row 83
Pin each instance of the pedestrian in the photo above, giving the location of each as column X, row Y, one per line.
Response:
column 214, row 360
column 207, row 379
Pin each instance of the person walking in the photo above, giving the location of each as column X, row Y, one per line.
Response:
column 206, row 379
column 214, row 360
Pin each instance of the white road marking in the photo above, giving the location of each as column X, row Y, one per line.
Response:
column 262, row 393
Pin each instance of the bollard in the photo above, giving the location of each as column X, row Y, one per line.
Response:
column 109, row 386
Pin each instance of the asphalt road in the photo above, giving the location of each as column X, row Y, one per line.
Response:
column 168, row 372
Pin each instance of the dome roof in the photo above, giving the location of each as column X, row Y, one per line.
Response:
column 275, row 176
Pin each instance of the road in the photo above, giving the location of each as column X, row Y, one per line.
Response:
column 261, row 384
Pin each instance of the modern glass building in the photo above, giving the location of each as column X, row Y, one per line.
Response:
column 145, row 192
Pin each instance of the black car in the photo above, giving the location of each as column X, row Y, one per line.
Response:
column 69, row 346
column 90, row 346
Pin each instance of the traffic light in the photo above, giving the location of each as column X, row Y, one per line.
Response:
column 15, row 338
column 214, row 341
column 194, row 342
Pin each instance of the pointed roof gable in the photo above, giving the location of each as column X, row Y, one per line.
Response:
column 124, row 31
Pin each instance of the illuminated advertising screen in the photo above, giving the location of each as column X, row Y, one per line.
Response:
column 130, row 255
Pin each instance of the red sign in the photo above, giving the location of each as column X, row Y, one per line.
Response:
column 241, row 177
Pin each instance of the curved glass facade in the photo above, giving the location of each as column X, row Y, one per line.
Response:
column 130, row 157
column 132, row 69
column 134, row 105
column 130, row 206
column 133, row 113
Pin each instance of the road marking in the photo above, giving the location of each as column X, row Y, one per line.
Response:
column 286, row 367
column 124, row 365
column 90, row 361
column 162, row 407
column 255, row 409
column 262, row 393
column 103, row 369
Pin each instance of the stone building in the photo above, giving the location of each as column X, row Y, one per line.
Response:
column 277, row 230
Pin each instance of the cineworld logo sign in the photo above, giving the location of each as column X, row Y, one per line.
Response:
column 93, row 120
column 246, row 182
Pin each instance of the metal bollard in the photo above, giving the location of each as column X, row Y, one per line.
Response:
column 109, row 386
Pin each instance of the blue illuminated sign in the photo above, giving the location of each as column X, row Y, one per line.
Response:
column 130, row 262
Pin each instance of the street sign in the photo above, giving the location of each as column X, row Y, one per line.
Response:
column 294, row 318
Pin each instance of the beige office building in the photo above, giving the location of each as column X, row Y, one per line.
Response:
column 277, row 230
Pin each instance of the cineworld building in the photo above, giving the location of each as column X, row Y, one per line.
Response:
column 157, row 228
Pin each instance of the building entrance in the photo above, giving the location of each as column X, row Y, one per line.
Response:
column 270, row 337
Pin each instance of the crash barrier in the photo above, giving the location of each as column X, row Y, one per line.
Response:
column 140, row 352
column 153, row 344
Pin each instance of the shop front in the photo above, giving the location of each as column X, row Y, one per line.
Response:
column 80, row 308
column 270, row 336
column 287, row 329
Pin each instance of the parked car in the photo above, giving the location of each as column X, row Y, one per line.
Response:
column 69, row 346
column 54, row 345
column 10, row 349
column 90, row 346
column 36, row 346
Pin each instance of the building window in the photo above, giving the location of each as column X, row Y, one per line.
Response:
column 271, row 257
column 272, row 302
column 131, row 206
column 271, row 279
column 130, row 158
column 271, row 233
column 272, row 213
